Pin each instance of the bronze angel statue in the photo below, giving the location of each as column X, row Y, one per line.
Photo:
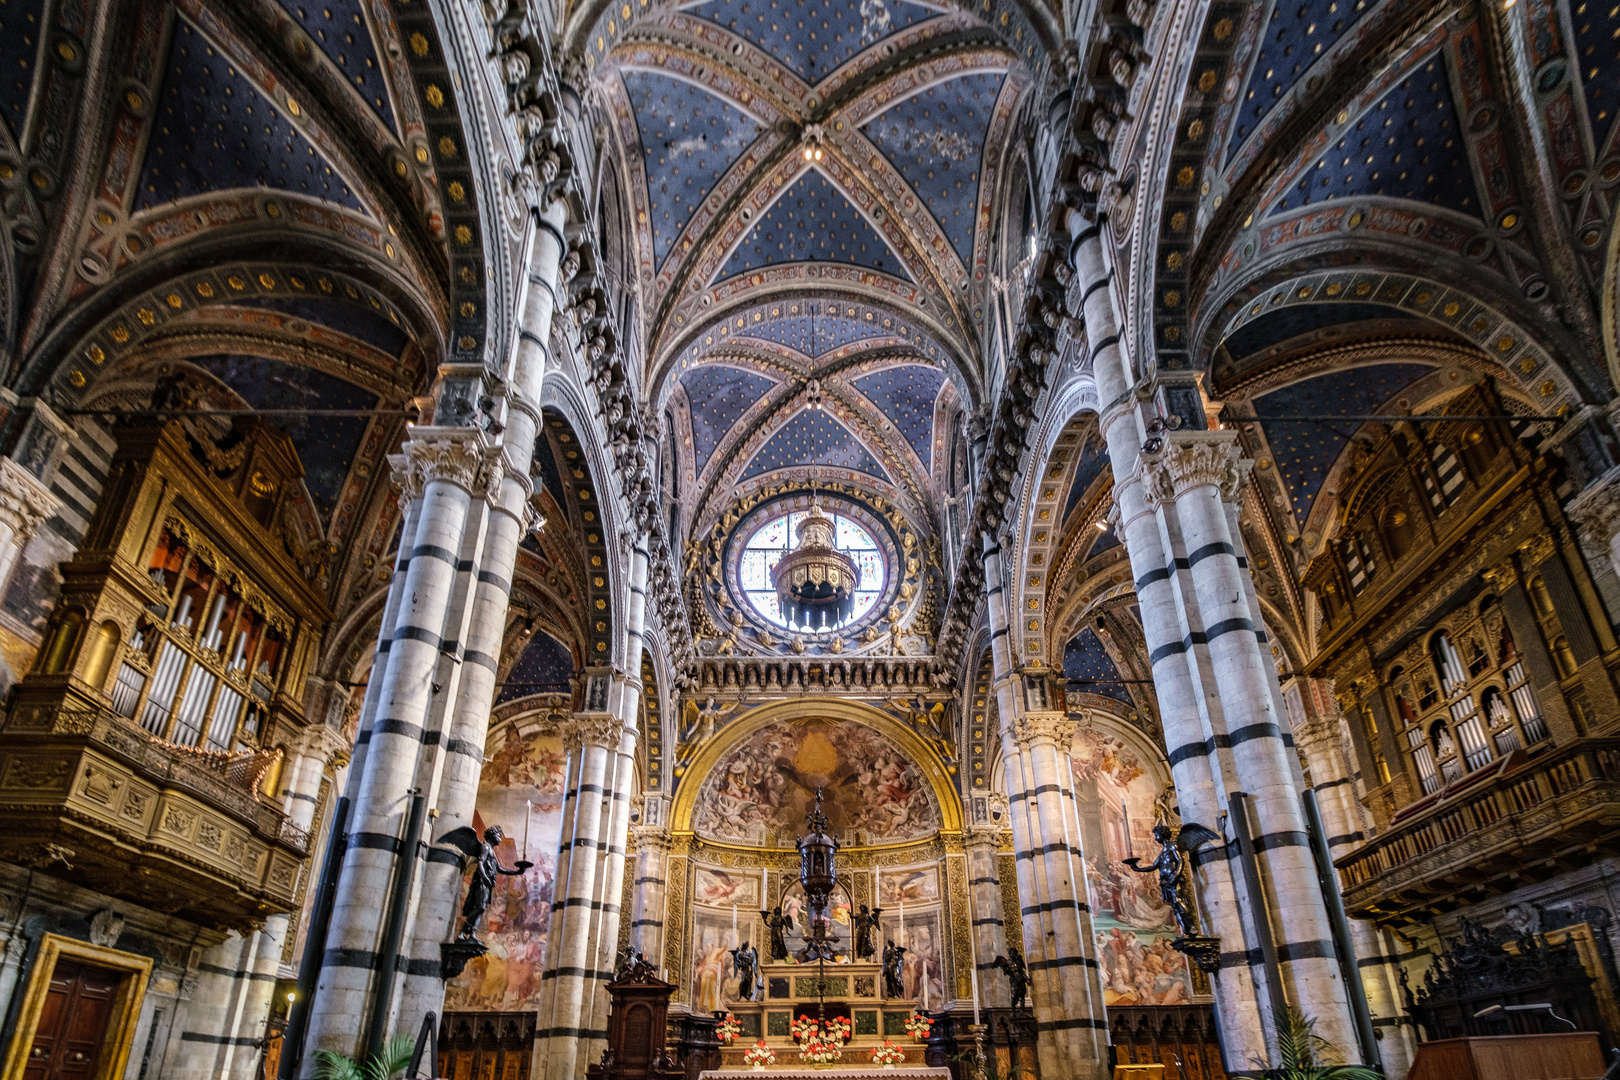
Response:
column 486, row 869
column 1174, row 868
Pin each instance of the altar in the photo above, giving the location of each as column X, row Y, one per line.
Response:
column 837, row 1072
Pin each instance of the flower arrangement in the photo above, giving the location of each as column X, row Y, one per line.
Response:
column 804, row 1029
column 759, row 1055
column 816, row 1052
column 728, row 1029
column 888, row 1055
column 837, row 1029
column 918, row 1026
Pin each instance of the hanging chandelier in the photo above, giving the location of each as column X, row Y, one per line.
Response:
column 815, row 582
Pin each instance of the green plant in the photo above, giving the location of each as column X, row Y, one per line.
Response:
column 1308, row 1056
column 395, row 1056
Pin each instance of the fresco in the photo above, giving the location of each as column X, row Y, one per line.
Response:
column 923, row 974
column 714, row 935
column 1117, row 795
column 720, row 888
column 528, row 768
column 759, row 793
column 909, row 885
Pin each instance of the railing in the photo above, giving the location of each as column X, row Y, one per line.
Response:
column 1485, row 811
column 227, row 780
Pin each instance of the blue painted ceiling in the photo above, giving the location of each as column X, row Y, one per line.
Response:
column 1084, row 658
column 1295, row 319
column 689, row 138
column 544, row 667
column 936, row 140
column 813, row 38
column 906, row 395
column 20, row 22
column 1296, row 35
column 831, row 332
column 813, row 438
column 718, row 395
column 214, row 131
column 813, row 221
column 1093, row 458
column 549, row 476
column 326, row 445
column 1304, row 452
column 1597, row 49
column 339, row 27
column 1408, row 146
column 351, row 319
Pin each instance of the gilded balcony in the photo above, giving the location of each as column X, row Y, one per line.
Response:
column 1518, row 820
column 109, row 806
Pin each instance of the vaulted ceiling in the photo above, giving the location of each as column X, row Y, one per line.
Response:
column 811, row 187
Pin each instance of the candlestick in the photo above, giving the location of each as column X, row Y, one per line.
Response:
column 734, row 941
column 528, row 812
column 1125, row 813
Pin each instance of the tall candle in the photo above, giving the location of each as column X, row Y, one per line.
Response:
column 973, row 974
column 734, row 941
column 528, row 812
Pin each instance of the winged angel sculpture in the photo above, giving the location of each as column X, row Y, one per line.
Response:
column 1174, row 867
column 486, row 869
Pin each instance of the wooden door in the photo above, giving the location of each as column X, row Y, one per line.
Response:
column 73, row 1023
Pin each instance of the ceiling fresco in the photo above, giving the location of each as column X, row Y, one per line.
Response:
column 791, row 155
column 339, row 28
column 19, row 41
column 1296, row 36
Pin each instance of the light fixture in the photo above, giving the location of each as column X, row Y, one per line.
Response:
column 815, row 582
column 1102, row 526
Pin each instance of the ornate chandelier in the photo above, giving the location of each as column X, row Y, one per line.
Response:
column 815, row 582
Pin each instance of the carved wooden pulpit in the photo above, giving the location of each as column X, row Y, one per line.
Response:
column 637, row 1028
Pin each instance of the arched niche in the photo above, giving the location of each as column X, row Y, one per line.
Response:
column 830, row 742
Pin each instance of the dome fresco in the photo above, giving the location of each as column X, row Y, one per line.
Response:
column 758, row 793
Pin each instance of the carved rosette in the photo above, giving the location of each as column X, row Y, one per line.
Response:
column 1192, row 459
column 1596, row 511
column 1044, row 728
column 600, row 730
column 1502, row 577
column 459, row 456
column 25, row 503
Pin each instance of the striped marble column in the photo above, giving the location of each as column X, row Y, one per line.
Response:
column 1194, row 477
column 1321, row 740
column 649, row 887
column 455, row 788
column 446, row 469
column 1065, row 990
column 563, row 1027
column 1195, row 765
column 609, row 898
column 989, row 929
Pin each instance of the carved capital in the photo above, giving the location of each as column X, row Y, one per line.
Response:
column 1538, row 549
column 1191, row 459
column 1048, row 728
column 460, row 456
column 651, row 838
column 25, row 502
column 1502, row 577
column 602, row 730
column 1596, row 511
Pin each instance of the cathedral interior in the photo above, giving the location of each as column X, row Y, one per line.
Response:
column 491, row 491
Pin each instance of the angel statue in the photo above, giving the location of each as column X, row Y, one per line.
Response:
column 1174, row 869
column 894, row 963
column 485, row 869
column 778, row 924
column 1012, row 965
column 866, row 927
column 745, row 965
